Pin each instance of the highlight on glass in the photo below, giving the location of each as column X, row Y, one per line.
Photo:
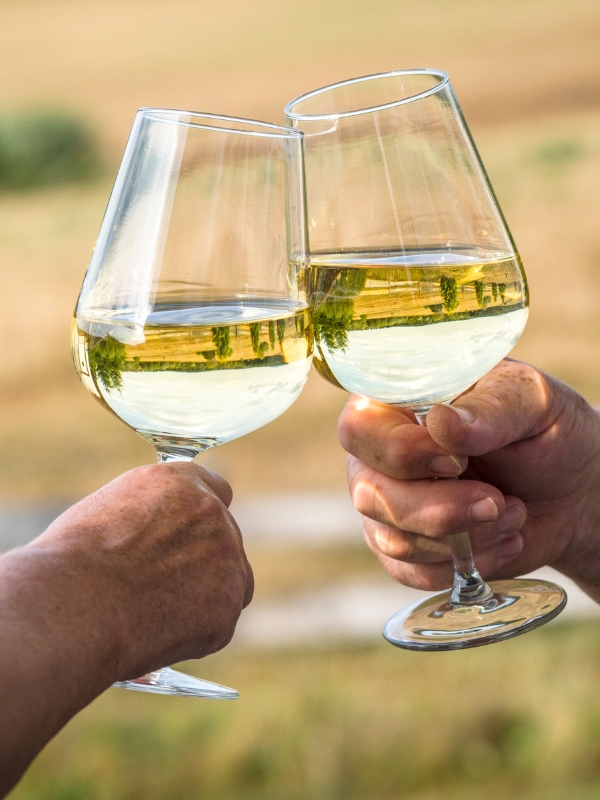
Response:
column 193, row 325
column 419, row 291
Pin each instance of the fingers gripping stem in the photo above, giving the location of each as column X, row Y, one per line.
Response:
column 469, row 587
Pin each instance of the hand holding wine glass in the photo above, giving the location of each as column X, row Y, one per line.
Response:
column 111, row 590
column 527, row 441
column 418, row 292
column 193, row 324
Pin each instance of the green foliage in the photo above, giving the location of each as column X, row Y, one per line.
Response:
column 449, row 292
column 258, row 348
column 107, row 361
column 43, row 148
column 281, row 323
column 332, row 321
column 494, row 291
column 479, row 289
column 221, row 336
column 209, row 365
column 559, row 153
column 334, row 313
column 502, row 290
column 351, row 282
column 255, row 337
column 272, row 333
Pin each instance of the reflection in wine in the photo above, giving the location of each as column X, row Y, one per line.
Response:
column 204, row 374
column 416, row 329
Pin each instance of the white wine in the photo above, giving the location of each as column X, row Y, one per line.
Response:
column 196, row 375
column 415, row 329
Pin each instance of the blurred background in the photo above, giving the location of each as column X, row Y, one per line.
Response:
column 327, row 710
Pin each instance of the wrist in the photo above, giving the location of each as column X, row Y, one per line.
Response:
column 57, row 653
column 66, row 609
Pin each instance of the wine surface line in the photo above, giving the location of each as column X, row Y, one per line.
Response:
column 196, row 374
column 415, row 329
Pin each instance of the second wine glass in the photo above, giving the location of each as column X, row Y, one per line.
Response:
column 418, row 292
column 193, row 325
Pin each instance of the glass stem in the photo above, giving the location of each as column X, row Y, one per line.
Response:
column 177, row 448
column 469, row 587
column 163, row 458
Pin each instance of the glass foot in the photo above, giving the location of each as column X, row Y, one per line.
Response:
column 169, row 681
column 514, row 607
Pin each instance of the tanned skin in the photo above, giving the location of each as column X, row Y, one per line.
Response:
column 527, row 449
column 148, row 571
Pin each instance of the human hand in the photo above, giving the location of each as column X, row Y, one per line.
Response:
column 163, row 563
column 147, row 571
column 527, row 448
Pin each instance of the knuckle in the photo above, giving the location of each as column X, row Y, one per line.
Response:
column 397, row 454
column 362, row 500
column 423, row 577
column 362, row 491
column 233, row 601
column 160, row 480
column 353, row 467
column 529, row 373
column 196, row 508
column 345, row 428
column 435, row 522
column 208, row 507
column 391, row 542
column 145, row 478
column 402, row 545
column 249, row 586
column 429, row 577
column 354, row 428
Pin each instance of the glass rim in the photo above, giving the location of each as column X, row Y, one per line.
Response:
column 443, row 76
column 280, row 131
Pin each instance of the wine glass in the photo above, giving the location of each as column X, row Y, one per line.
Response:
column 418, row 292
column 193, row 324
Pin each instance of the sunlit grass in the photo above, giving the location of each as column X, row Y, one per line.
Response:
column 281, row 572
column 58, row 441
column 519, row 720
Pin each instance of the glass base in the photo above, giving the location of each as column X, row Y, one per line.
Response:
column 169, row 681
column 515, row 607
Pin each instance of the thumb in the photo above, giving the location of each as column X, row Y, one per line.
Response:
column 512, row 402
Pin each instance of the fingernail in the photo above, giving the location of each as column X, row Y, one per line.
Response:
column 445, row 465
column 484, row 510
column 510, row 547
column 512, row 519
column 465, row 415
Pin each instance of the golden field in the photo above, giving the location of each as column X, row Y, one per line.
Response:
column 518, row 721
column 527, row 74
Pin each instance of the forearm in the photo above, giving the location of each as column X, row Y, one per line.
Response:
column 147, row 571
column 55, row 654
